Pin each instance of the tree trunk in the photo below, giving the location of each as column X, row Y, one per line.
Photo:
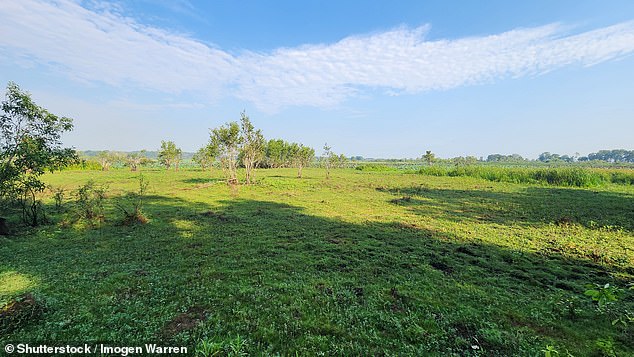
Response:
column 4, row 229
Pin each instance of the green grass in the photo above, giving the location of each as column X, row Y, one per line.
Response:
column 366, row 263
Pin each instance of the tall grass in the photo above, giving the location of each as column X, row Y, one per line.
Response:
column 560, row 176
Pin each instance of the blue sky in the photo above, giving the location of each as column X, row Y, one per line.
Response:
column 371, row 78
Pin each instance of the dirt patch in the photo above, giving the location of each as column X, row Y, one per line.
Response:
column 184, row 321
column 19, row 312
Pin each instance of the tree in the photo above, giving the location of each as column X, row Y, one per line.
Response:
column 342, row 161
column 30, row 144
column 227, row 140
column 429, row 157
column 278, row 153
column 301, row 156
column 107, row 158
column 205, row 156
column 327, row 159
column 136, row 159
column 169, row 154
column 253, row 146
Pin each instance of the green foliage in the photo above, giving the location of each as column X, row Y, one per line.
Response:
column 429, row 157
column 108, row 158
column 170, row 155
column 561, row 176
column 253, row 146
column 550, row 351
column 58, row 196
column 30, row 144
column 90, row 201
column 132, row 205
column 206, row 156
column 603, row 295
column 227, row 139
column 136, row 159
column 206, row 348
column 278, row 153
column 606, row 347
column 375, row 168
column 235, row 347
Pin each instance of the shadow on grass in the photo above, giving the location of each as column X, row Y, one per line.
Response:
column 541, row 205
column 202, row 180
column 292, row 282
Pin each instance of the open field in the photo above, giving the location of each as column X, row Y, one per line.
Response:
column 363, row 263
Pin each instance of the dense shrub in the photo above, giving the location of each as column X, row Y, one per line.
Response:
column 561, row 176
column 374, row 168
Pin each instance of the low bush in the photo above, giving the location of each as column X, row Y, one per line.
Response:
column 560, row 176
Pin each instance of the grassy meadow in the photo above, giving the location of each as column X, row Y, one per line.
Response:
column 368, row 262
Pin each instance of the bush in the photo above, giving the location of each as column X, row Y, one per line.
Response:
column 374, row 168
column 132, row 207
column 89, row 204
column 562, row 176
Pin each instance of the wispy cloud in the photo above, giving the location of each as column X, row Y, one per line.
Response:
column 105, row 46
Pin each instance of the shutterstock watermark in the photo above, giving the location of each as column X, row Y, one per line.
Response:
column 99, row 349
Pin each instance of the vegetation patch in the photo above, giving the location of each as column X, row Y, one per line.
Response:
column 19, row 312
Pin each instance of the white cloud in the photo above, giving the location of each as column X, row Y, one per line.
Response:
column 104, row 46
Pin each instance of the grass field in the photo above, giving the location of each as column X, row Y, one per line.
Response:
column 365, row 263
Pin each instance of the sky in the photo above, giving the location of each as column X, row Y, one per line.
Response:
column 383, row 79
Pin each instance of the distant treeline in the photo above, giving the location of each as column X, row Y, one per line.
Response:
column 613, row 156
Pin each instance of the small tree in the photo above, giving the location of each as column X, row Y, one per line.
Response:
column 169, row 154
column 136, row 159
column 253, row 146
column 301, row 156
column 429, row 157
column 30, row 144
column 327, row 157
column 205, row 156
column 227, row 140
column 107, row 158
column 342, row 161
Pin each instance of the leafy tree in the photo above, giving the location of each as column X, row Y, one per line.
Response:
column 505, row 158
column 253, row 146
column 136, row 159
column 278, row 153
column 464, row 161
column 429, row 157
column 205, row 156
column 227, row 140
column 30, row 144
column 342, row 161
column 548, row 157
column 107, row 158
column 301, row 156
column 169, row 154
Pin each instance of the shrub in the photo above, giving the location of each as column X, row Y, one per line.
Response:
column 374, row 168
column 132, row 208
column 561, row 176
column 89, row 204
